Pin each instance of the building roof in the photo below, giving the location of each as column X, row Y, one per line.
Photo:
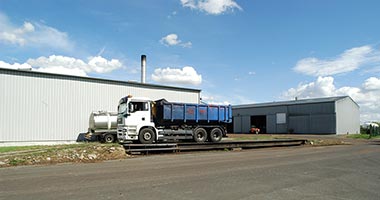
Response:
column 22, row 72
column 293, row 102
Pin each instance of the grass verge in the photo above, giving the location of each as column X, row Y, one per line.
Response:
column 83, row 152
column 19, row 148
column 363, row 136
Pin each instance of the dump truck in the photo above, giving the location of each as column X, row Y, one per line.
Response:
column 146, row 121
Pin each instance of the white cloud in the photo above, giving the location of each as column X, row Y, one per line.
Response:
column 213, row 7
column 67, row 65
column 99, row 64
column 367, row 95
column 186, row 75
column 32, row 34
column 172, row 40
column 15, row 65
column 372, row 84
column 214, row 100
column 225, row 99
column 349, row 60
column 173, row 14
column 56, row 61
column 186, row 44
column 95, row 64
column 189, row 3
column 322, row 87
column 62, row 70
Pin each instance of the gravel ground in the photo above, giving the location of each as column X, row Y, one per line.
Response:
column 95, row 152
column 315, row 140
column 322, row 172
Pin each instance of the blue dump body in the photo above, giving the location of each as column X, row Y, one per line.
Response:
column 167, row 112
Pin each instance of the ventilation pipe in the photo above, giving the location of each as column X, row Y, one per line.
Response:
column 143, row 68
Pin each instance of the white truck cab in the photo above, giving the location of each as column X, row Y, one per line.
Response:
column 134, row 114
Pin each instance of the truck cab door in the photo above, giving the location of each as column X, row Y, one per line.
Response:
column 139, row 113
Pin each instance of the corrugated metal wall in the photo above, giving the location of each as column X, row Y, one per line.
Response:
column 44, row 107
column 348, row 116
column 242, row 124
column 314, row 118
column 321, row 124
column 316, row 108
column 244, row 117
column 271, row 123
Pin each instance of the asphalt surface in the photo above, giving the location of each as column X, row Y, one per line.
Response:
column 332, row 172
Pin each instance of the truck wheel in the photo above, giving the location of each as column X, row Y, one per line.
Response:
column 109, row 138
column 200, row 135
column 146, row 136
column 216, row 135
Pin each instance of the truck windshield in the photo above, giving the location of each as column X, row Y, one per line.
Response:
column 123, row 108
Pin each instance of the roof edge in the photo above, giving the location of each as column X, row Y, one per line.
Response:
column 351, row 100
column 294, row 102
column 28, row 72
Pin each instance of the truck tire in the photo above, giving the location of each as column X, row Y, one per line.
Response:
column 200, row 135
column 108, row 138
column 216, row 135
column 146, row 136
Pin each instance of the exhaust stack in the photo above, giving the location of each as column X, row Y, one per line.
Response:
column 143, row 68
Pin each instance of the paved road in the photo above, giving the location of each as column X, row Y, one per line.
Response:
column 334, row 172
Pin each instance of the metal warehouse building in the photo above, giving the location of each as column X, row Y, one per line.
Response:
column 42, row 107
column 334, row 115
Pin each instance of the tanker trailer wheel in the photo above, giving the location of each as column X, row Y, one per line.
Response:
column 216, row 135
column 200, row 135
column 146, row 136
column 108, row 138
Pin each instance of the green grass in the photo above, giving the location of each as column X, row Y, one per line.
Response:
column 16, row 162
column 362, row 136
column 50, row 147
column 18, row 148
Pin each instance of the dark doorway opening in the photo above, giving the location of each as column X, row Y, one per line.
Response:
column 259, row 121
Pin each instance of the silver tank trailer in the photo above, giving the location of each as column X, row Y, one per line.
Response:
column 101, row 121
column 103, row 124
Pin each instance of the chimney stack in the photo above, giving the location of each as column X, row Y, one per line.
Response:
column 143, row 68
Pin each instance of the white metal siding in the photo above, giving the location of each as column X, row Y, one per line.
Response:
column 38, row 107
column 348, row 116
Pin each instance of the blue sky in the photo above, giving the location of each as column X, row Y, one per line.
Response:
column 235, row 51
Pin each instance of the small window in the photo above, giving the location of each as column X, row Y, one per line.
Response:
column 281, row 118
column 139, row 106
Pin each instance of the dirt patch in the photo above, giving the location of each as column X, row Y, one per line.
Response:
column 324, row 142
column 79, row 153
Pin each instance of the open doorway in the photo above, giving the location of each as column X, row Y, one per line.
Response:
column 259, row 121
